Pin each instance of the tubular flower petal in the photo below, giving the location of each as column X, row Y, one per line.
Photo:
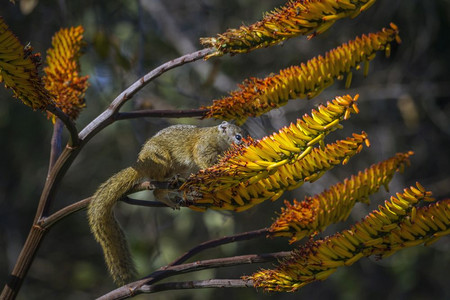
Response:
column 257, row 96
column 62, row 76
column 314, row 214
column 222, row 190
column 297, row 17
column 318, row 259
column 19, row 70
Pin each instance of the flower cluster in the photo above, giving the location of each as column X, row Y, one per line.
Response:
column 62, row 76
column 297, row 17
column 404, row 221
column 271, row 184
column 257, row 96
column 276, row 158
column 314, row 214
column 19, row 70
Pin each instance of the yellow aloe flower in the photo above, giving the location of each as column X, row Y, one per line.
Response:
column 390, row 228
column 297, row 17
column 257, row 96
column 19, row 70
column 258, row 159
column 218, row 193
column 314, row 214
column 62, row 76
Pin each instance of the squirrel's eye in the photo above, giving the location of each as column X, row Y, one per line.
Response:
column 238, row 138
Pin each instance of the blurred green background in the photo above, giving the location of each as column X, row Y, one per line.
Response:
column 404, row 105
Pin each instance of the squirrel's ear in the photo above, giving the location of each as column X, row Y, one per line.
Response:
column 223, row 126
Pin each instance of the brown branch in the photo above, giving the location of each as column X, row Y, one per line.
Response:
column 140, row 286
column 218, row 242
column 111, row 114
column 162, row 114
column 144, row 203
column 70, row 125
column 198, row 284
column 47, row 222
column 55, row 146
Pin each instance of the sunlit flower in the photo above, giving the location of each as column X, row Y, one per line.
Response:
column 62, row 76
column 401, row 222
column 19, row 70
column 257, row 96
column 223, row 192
column 314, row 214
column 297, row 17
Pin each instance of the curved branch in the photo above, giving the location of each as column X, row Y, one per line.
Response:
column 47, row 222
column 144, row 284
column 56, row 145
column 111, row 114
column 70, row 125
column 218, row 242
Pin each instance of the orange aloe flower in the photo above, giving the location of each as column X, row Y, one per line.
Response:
column 62, row 74
column 297, row 17
column 392, row 227
column 257, row 96
column 314, row 214
column 19, row 70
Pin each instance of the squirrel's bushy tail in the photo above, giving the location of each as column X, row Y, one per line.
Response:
column 105, row 228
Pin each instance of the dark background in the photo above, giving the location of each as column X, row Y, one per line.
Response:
column 404, row 105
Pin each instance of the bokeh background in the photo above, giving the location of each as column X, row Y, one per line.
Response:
column 404, row 103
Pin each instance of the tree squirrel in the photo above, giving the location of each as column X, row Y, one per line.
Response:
column 178, row 149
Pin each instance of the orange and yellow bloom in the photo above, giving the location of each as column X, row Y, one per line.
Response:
column 62, row 74
column 19, row 70
column 314, row 214
column 297, row 17
column 401, row 222
column 258, row 96
column 264, row 169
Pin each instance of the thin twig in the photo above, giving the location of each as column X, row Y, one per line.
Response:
column 64, row 212
column 197, row 284
column 140, row 286
column 143, row 202
column 56, row 143
column 70, row 125
column 218, row 242
column 162, row 114
column 110, row 115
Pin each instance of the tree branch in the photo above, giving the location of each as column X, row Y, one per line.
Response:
column 218, row 242
column 198, row 284
column 70, row 125
column 55, row 147
column 144, row 284
column 162, row 114
column 111, row 114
